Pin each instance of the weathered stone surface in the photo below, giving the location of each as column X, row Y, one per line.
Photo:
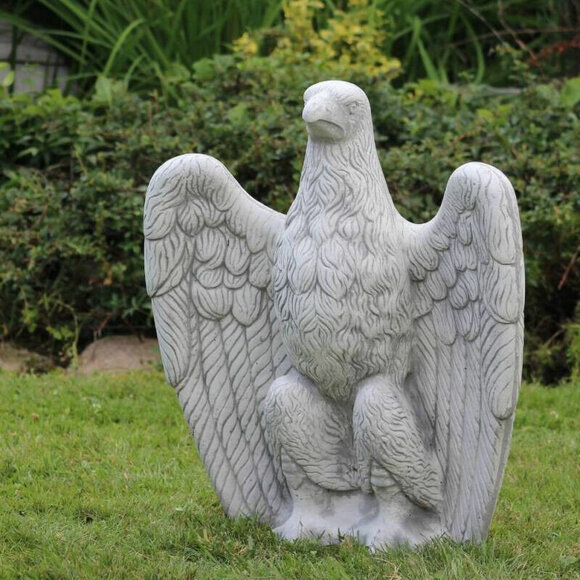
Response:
column 119, row 353
column 20, row 360
column 342, row 370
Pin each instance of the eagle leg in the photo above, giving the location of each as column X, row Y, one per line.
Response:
column 311, row 440
column 395, row 466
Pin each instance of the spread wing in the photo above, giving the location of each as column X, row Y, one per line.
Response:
column 468, row 282
column 208, row 256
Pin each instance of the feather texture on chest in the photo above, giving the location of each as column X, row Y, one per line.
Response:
column 338, row 282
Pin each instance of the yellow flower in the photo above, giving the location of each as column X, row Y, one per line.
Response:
column 245, row 46
column 349, row 43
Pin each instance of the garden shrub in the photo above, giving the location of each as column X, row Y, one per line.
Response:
column 148, row 43
column 75, row 174
column 350, row 40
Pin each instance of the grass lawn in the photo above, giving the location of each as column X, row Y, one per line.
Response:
column 100, row 478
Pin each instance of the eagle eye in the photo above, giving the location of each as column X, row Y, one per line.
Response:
column 352, row 107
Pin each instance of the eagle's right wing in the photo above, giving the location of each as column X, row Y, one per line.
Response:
column 209, row 249
column 467, row 268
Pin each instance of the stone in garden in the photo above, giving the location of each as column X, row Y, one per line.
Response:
column 119, row 353
column 342, row 370
column 16, row 359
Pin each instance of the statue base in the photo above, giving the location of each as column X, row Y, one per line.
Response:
column 331, row 515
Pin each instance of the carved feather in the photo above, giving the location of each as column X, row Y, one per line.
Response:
column 217, row 330
column 468, row 339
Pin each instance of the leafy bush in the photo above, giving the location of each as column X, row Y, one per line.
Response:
column 441, row 41
column 75, row 174
column 148, row 44
column 140, row 41
column 350, row 40
column 447, row 41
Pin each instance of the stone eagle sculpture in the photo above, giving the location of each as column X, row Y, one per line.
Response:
column 343, row 371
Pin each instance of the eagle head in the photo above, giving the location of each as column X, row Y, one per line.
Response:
column 336, row 111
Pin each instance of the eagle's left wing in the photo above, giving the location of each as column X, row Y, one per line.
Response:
column 468, row 293
column 209, row 249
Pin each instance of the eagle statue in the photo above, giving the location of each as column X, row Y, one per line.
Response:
column 342, row 370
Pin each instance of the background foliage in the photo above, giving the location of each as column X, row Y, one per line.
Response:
column 75, row 173
column 142, row 41
column 150, row 42
column 456, row 39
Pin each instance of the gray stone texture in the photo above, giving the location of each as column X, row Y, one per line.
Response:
column 118, row 354
column 342, row 370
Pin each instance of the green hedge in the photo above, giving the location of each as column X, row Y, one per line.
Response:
column 75, row 173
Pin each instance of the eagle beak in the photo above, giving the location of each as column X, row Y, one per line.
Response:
column 324, row 118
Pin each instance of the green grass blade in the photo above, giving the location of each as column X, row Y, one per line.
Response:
column 119, row 44
column 86, row 32
column 427, row 62
column 477, row 48
column 177, row 26
column 132, row 68
column 272, row 14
